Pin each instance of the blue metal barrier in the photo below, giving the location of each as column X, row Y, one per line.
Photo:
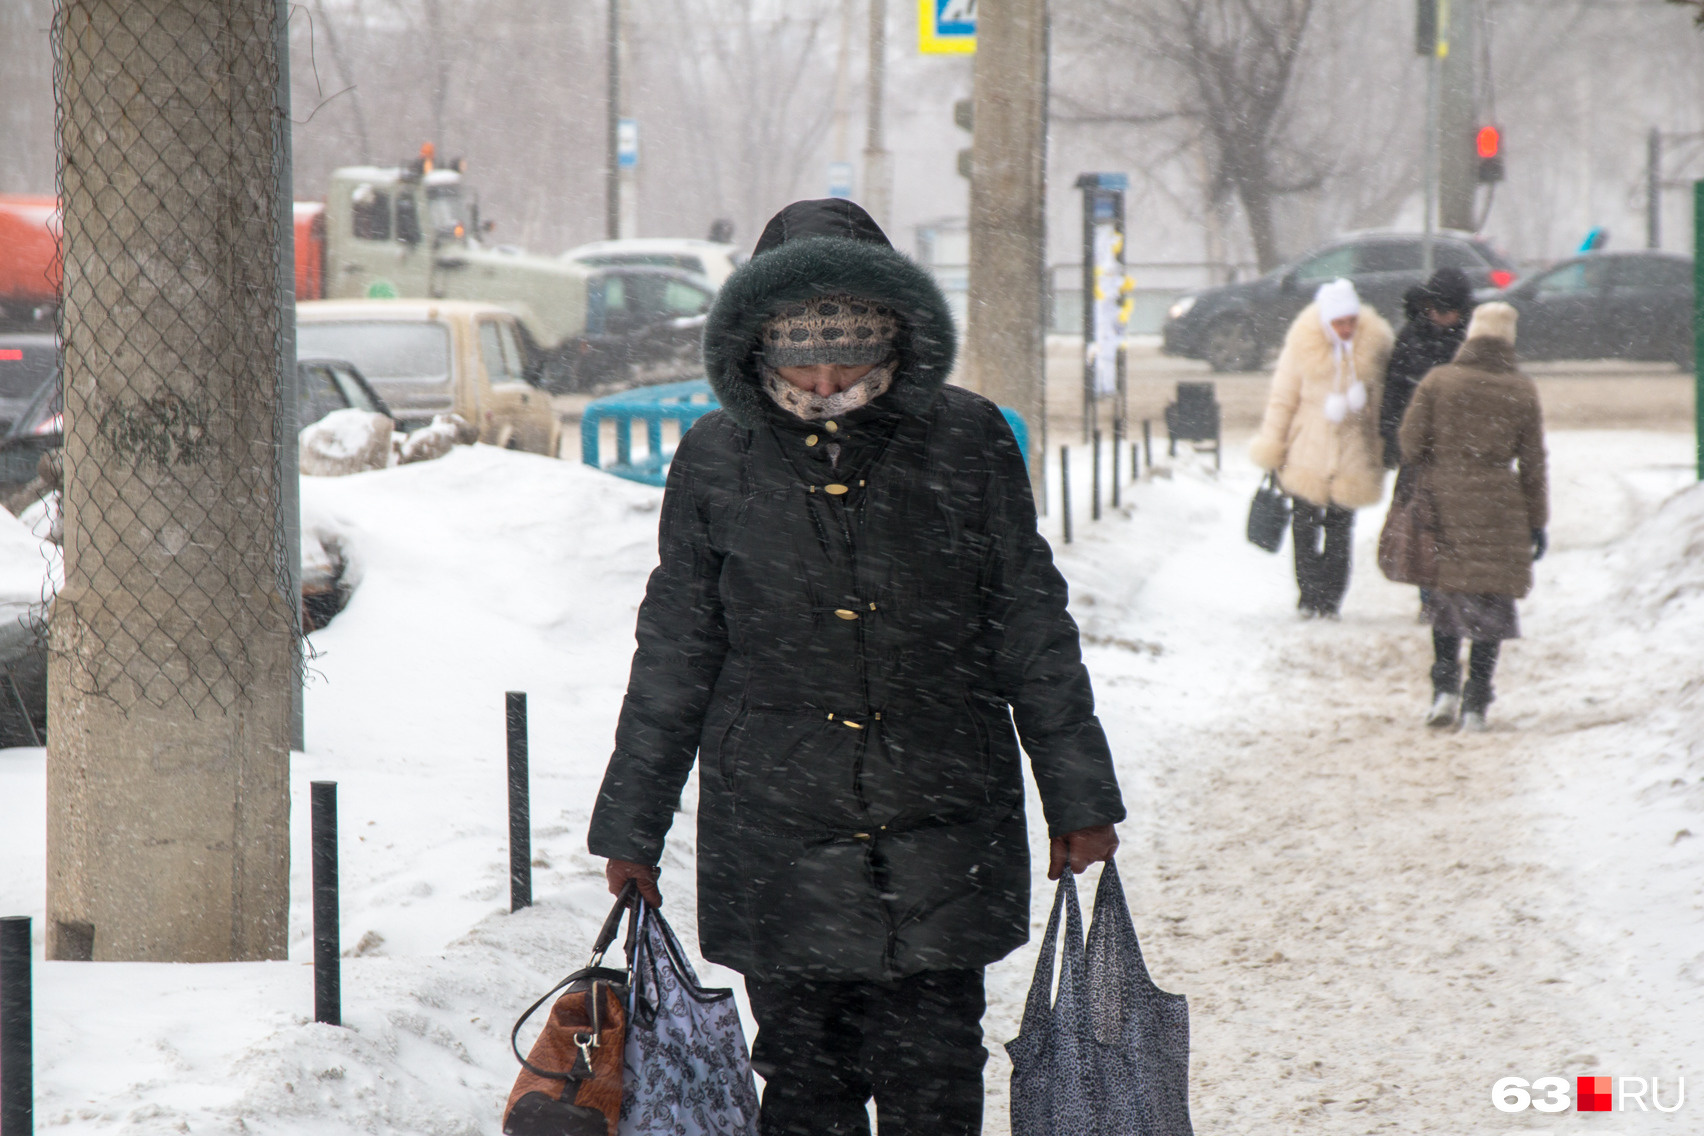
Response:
column 685, row 403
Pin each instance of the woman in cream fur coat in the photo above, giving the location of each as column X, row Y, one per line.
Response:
column 1321, row 434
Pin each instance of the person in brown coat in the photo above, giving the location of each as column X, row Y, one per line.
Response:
column 1475, row 428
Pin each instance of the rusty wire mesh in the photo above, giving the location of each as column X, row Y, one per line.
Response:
column 177, row 588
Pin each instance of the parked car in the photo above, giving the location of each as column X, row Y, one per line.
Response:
column 1235, row 326
column 644, row 325
column 26, row 360
column 713, row 260
column 427, row 357
column 1607, row 305
column 325, row 385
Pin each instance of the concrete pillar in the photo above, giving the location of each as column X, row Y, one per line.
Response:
column 1458, row 118
column 1005, row 342
column 172, row 636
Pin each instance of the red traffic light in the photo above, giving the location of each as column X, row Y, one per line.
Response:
column 1489, row 141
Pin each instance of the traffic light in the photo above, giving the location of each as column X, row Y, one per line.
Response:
column 1488, row 143
column 963, row 111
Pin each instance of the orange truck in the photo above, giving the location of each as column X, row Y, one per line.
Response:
column 29, row 255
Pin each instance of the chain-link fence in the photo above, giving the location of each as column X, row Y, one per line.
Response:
column 177, row 583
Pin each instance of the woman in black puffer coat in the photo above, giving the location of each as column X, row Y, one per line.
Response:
column 1437, row 313
column 852, row 608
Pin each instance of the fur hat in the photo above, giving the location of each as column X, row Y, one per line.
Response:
column 1449, row 290
column 1335, row 300
column 1495, row 320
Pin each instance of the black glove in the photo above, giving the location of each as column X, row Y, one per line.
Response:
column 1539, row 544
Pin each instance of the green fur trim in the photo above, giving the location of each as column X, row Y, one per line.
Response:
column 823, row 266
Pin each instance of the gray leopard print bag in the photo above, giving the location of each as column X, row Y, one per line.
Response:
column 1111, row 1055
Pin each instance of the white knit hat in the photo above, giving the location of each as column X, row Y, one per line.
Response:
column 1337, row 300
column 1495, row 320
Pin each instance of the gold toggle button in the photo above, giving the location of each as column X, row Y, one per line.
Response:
column 860, row 836
column 811, row 441
column 843, row 613
column 854, row 725
column 831, row 427
column 835, row 489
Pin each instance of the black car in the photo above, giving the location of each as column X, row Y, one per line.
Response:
column 1235, row 326
column 1607, row 305
column 26, row 360
column 324, row 385
column 644, row 325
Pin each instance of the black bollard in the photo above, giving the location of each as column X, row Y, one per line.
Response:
column 520, row 804
column 1117, row 445
column 328, row 983
column 1065, row 489
column 17, row 1090
column 1147, row 444
column 1094, row 481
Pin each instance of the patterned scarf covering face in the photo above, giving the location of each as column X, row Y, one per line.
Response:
column 815, row 407
column 842, row 330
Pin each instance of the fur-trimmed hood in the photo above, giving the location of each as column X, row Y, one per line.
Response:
column 822, row 248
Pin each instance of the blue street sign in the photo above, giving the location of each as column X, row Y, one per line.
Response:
column 627, row 143
column 840, row 179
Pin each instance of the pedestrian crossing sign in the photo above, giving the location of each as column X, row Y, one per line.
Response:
column 946, row 27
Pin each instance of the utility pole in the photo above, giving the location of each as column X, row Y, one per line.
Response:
column 172, row 637
column 878, row 163
column 627, row 131
column 1654, row 189
column 842, row 87
column 1429, row 42
column 612, row 122
column 1458, row 114
column 1005, row 341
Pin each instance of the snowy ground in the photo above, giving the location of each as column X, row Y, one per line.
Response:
column 1373, row 923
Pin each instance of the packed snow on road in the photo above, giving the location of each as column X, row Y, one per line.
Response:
column 1373, row 922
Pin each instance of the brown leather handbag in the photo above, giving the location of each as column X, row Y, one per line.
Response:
column 570, row 1082
column 1408, row 543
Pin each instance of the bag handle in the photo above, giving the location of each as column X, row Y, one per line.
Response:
column 606, row 936
column 612, row 922
column 1040, row 1001
column 1113, row 930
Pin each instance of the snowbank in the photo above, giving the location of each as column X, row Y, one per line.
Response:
column 345, row 441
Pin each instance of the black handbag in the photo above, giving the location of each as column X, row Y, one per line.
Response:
column 1268, row 515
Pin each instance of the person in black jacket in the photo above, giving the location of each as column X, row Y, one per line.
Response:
column 853, row 607
column 1437, row 314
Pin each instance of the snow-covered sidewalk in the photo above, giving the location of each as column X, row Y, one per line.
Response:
column 1373, row 922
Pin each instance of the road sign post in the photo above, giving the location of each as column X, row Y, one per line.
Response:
column 1106, row 288
column 1698, row 320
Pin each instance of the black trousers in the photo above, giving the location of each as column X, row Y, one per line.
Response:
column 1323, row 538
column 825, row 1048
column 1481, row 665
